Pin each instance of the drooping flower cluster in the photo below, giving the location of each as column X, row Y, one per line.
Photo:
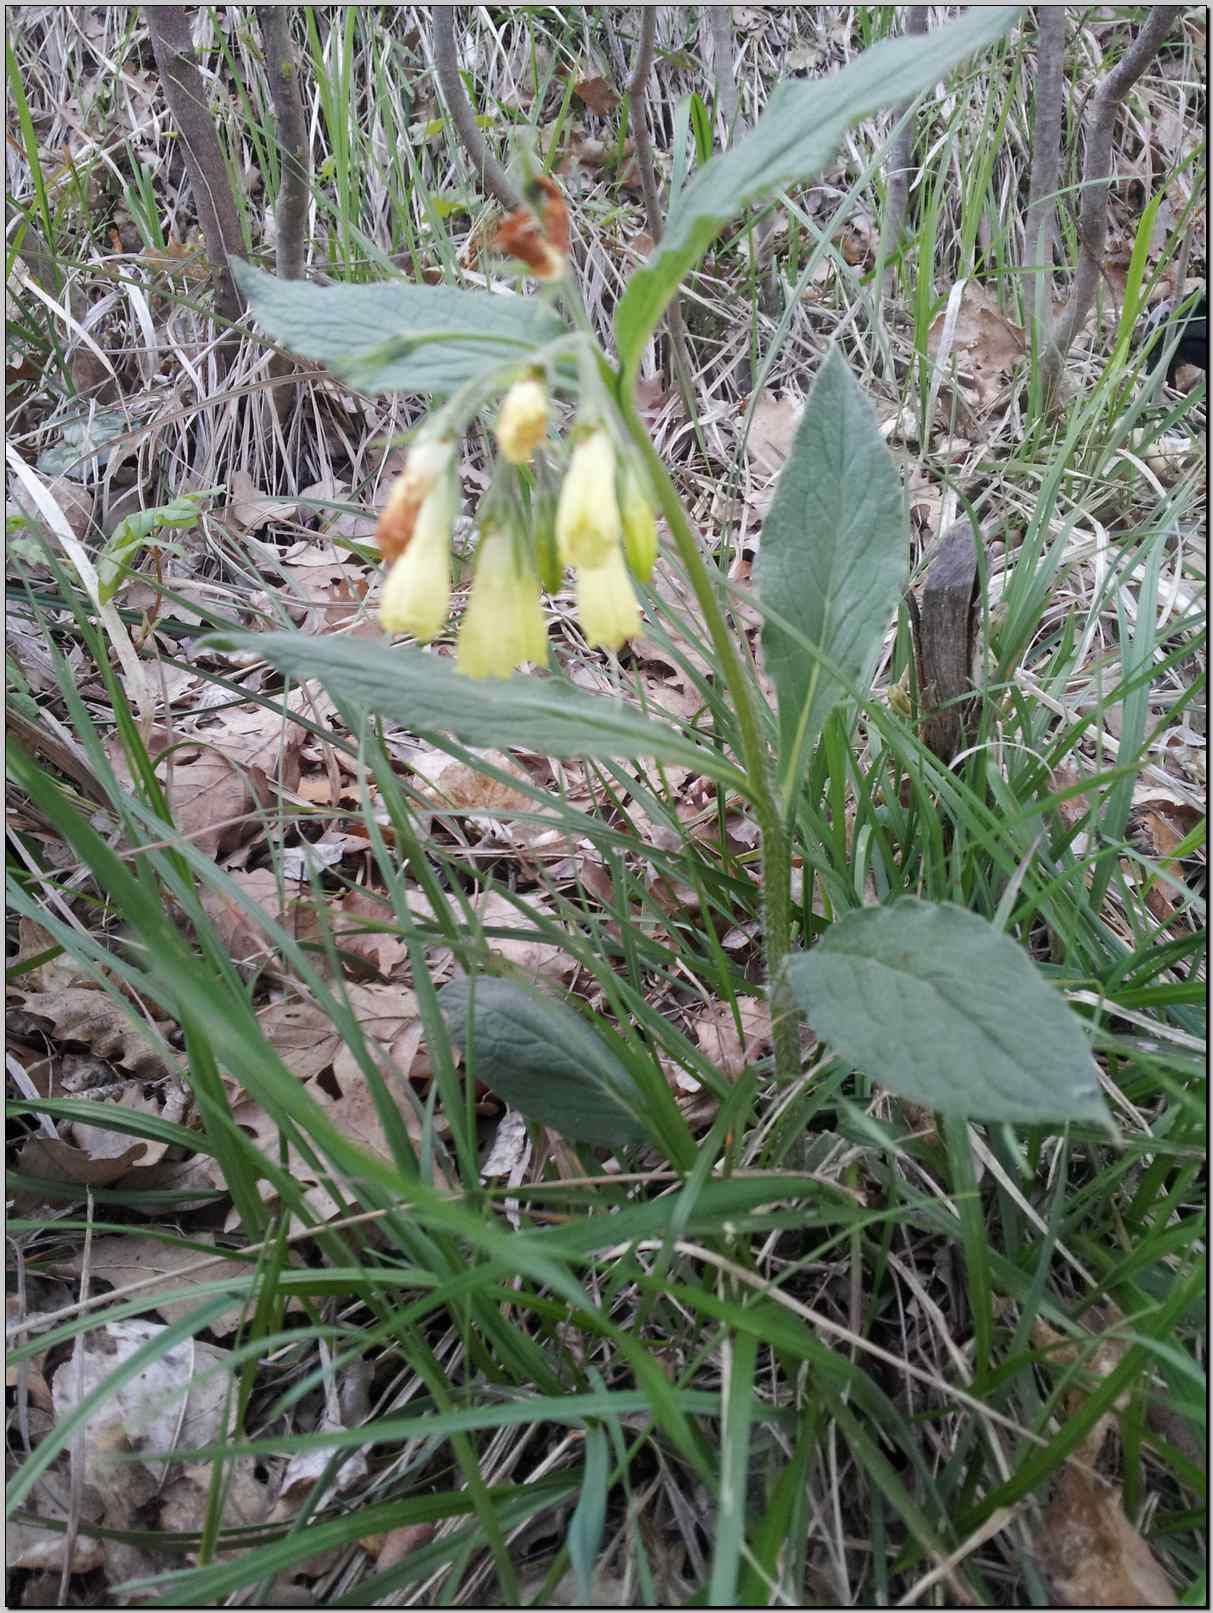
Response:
column 605, row 530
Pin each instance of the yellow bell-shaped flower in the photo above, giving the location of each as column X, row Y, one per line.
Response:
column 416, row 597
column 588, row 527
column 607, row 606
column 503, row 624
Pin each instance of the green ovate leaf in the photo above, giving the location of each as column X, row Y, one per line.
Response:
column 393, row 336
column 544, row 1060
column 935, row 1003
column 427, row 693
column 832, row 564
column 793, row 140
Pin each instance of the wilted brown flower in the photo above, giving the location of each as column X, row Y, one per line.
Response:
column 538, row 236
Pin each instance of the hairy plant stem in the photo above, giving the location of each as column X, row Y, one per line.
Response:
column 776, row 842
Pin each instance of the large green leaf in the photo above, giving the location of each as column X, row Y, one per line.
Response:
column 937, row 1004
column 833, row 562
column 427, row 693
column 393, row 336
column 794, row 139
column 542, row 1057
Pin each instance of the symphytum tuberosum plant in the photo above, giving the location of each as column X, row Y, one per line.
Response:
column 927, row 998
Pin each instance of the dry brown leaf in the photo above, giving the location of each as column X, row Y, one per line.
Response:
column 82, row 1014
column 598, row 95
column 250, row 509
column 394, row 1547
column 244, row 939
column 301, row 1034
column 717, row 1036
column 56, row 975
column 539, row 959
column 985, row 344
column 121, row 1261
column 178, row 1400
column 1091, row 1551
column 1089, row 1548
column 328, row 589
column 26, row 1546
column 57, row 1161
column 184, row 1500
column 772, row 430
column 101, row 1142
column 75, row 501
column 392, row 1026
column 383, row 952
column 452, row 786
column 205, row 791
column 393, row 1031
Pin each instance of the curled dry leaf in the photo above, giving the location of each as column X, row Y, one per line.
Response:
column 84, row 1014
column 56, row 1161
column 985, row 345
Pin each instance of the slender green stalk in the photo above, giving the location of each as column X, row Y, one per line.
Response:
column 776, row 846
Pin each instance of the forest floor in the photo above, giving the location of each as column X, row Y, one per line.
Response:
column 943, row 1364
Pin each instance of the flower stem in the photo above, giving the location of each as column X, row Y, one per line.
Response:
column 776, row 845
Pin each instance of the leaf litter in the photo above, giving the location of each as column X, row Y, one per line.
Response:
column 232, row 772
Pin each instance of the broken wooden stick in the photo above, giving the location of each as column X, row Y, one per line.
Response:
column 944, row 625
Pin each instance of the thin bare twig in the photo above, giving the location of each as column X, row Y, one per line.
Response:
column 492, row 175
column 1093, row 214
column 1046, row 166
column 900, row 158
column 282, row 71
column 638, row 113
column 720, row 32
column 639, row 119
column 294, row 194
column 186, row 94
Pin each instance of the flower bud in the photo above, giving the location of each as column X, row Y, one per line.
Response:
column 639, row 525
column 523, row 421
column 588, row 527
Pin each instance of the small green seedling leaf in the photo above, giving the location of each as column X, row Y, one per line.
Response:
column 544, row 1060
column 939, row 1006
column 833, row 562
column 131, row 536
column 393, row 336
